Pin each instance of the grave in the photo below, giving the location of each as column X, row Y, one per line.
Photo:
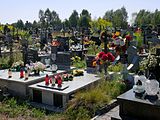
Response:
column 52, row 98
column 18, row 86
column 89, row 63
column 138, row 108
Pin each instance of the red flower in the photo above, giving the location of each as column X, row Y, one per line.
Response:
column 101, row 54
column 104, row 57
column 110, row 57
column 128, row 38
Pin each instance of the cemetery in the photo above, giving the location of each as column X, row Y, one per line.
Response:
column 97, row 69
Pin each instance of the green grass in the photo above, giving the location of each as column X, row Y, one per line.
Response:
column 13, row 108
column 87, row 102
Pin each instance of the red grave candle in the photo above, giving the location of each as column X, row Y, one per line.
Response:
column 21, row 73
column 47, row 80
column 59, row 81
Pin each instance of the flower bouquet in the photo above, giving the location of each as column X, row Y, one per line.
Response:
column 17, row 65
column 36, row 67
column 103, row 59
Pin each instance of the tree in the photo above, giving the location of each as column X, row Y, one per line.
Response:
column 85, row 18
column 20, row 24
column 55, row 19
column 108, row 15
column 42, row 17
column 99, row 24
column 66, row 23
column 27, row 25
column 73, row 19
column 35, row 24
column 48, row 16
column 120, row 18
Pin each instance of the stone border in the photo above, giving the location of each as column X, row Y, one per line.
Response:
column 105, row 109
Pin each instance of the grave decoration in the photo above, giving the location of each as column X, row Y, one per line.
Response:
column 151, row 64
column 17, row 66
column 9, row 73
column 26, row 75
column 58, row 80
column 148, row 86
column 102, row 59
column 36, row 68
column 21, row 73
column 138, row 88
column 78, row 72
column 47, row 80
column 52, row 81
column 67, row 77
column 152, row 86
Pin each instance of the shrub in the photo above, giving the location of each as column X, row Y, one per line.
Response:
column 115, row 68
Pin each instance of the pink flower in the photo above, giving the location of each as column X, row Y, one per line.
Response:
column 101, row 54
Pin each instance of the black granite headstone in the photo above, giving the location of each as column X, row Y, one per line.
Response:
column 31, row 56
column 63, row 60
column 53, row 56
column 64, row 43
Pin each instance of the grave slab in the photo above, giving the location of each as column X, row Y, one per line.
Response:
column 62, row 96
column 19, row 86
column 142, row 109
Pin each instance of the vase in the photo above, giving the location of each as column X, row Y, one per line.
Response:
column 36, row 73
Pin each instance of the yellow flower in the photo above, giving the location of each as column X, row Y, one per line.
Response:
column 94, row 64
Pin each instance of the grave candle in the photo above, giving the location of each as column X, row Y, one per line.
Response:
column 59, row 81
column 26, row 75
column 9, row 73
column 21, row 73
column 46, row 80
column 53, row 81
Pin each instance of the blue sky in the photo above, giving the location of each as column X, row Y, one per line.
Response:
column 13, row 10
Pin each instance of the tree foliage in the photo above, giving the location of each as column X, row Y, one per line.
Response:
column 85, row 18
column 74, row 19
column 99, row 24
column 147, row 17
column 118, row 17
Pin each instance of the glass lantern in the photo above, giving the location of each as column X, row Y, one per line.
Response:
column 140, row 77
column 152, row 86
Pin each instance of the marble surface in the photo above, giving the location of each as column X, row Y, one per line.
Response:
column 77, row 83
column 16, row 76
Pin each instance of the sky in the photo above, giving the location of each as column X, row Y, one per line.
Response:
column 27, row 10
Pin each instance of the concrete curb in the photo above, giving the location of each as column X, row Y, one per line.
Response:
column 105, row 109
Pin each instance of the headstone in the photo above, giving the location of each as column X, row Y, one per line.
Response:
column 64, row 43
column 53, row 56
column 31, row 56
column 133, row 57
column 63, row 60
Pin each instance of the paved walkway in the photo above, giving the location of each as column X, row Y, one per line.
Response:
column 114, row 113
